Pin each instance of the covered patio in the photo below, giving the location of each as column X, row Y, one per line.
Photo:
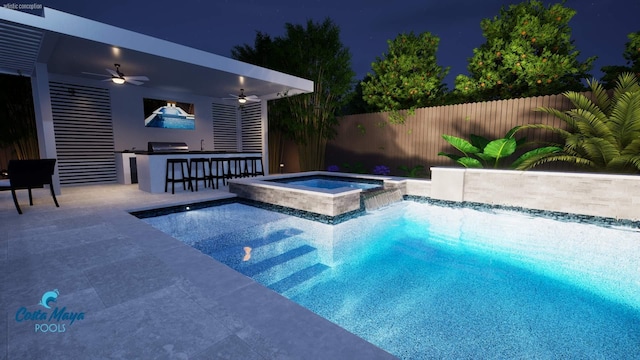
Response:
column 83, row 117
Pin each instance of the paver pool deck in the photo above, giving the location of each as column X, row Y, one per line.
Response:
column 144, row 294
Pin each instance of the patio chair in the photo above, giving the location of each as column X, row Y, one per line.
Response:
column 30, row 174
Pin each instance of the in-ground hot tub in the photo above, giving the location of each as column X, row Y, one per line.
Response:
column 341, row 183
column 324, row 193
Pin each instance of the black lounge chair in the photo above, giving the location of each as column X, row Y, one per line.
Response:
column 30, row 174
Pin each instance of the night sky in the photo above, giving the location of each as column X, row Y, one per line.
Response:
column 600, row 27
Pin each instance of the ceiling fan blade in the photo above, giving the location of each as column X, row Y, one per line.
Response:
column 113, row 72
column 252, row 97
column 140, row 78
column 94, row 74
column 134, row 82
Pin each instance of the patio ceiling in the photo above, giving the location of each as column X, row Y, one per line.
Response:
column 71, row 45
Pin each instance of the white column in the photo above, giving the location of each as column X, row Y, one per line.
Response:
column 44, row 117
column 265, row 136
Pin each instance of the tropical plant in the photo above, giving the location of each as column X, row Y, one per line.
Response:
column 412, row 172
column 603, row 131
column 407, row 77
column 528, row 52
column 481, row 152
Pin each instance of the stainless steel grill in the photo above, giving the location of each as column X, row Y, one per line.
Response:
column 156, row 146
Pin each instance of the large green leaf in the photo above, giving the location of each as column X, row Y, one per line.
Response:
column 479, row 141
column 453, row 157
column 500, row 148
column 469, row 162
column 461, row 144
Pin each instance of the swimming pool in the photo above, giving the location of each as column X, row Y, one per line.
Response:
column 426, row 281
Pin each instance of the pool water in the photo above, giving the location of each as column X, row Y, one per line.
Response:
column 322, row 182
column 424, row 281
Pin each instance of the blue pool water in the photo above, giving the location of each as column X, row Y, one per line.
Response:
column 424, row 281
column 324, row 182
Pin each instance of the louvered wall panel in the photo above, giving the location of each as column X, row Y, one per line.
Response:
column 251, row 127
column 19, row 48
column 84, row 134
column 225, row 127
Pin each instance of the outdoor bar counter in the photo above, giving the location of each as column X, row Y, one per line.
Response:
column 151, row 166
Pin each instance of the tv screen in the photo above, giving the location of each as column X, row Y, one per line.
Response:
column 169, row 114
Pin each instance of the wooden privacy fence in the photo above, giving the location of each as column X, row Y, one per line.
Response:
column 369, row 139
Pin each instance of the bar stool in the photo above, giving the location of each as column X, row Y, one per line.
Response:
column 216, row 172
column 232, row 168
column 254, row 171
column 184, row 174
column 242, row 166
column 195, row 176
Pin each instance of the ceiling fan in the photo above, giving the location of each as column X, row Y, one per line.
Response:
column 118, row 77
column 242, row 98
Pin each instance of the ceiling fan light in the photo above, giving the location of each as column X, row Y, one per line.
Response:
column 242, row 100
column 117, row 80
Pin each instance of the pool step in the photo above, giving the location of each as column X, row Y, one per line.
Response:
column 281, row 258
column 258, row 237
column 298, row 278
column 255, row 251
column 281, row 266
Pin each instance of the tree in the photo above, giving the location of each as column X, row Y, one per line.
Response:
column 631, row 54
column 313, row 52
column 356, row 103
column 17, row 117
column 603, row 130
column 407, row 77
column 528, row 52
column 263, row 53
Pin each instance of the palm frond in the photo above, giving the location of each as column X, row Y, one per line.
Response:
column 576, row 160
column 625, row 118
column 625, row 163
column 589, row 123
column 633, row 148
column 557, row 113
column 581, row 102
column 626, row 82
column 599, row 150
column 563, row 133
column 534, row 155
column 600, row 95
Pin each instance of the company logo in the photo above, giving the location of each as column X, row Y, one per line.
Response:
column 49, row 296
column 55, row 321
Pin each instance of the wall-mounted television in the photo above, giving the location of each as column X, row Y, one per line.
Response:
column 169, row 114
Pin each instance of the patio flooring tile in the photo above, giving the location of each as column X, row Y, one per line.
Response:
column 144, row 294
column 128, row 279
